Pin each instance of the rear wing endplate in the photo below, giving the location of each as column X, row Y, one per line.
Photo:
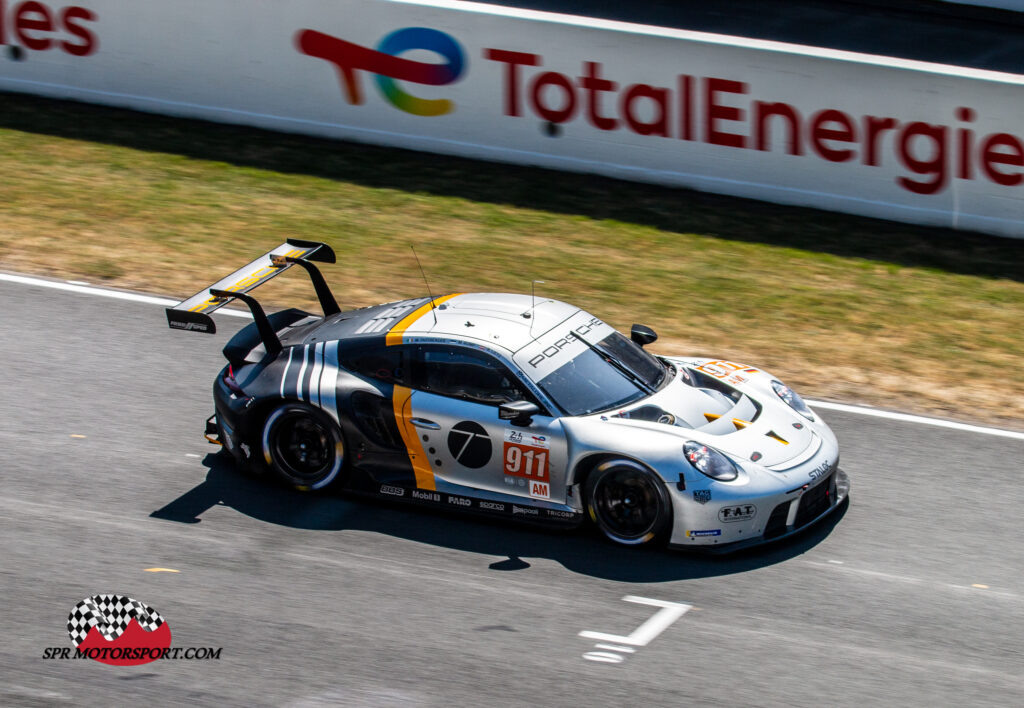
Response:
column 194, row 313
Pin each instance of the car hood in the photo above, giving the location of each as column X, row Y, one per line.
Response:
column 728, row 406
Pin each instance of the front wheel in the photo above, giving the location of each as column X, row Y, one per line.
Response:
column 628, row 503
column 303, row 446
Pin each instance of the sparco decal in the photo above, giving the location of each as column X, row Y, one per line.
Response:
column 728, row 112
column 38, row 27
column 349, row 59
column 492, row 506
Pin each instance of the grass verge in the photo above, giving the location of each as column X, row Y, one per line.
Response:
column 841, row 307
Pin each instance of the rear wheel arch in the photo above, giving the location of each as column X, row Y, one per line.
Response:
column 301, row 444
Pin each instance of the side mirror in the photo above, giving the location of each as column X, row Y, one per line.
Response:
column 519, row 412
column 641, row 334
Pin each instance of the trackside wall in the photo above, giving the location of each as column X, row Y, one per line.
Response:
column 903, row 140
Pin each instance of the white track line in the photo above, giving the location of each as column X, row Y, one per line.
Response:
column 842, row 407
column 103, row 292
column 921, row 420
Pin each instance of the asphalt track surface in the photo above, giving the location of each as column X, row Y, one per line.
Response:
column 323, row 600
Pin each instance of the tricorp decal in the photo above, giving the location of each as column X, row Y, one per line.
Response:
column 385, row 63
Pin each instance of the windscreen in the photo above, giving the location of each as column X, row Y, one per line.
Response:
column 590, row 382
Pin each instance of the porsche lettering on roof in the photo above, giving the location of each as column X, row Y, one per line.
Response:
column 560, row 344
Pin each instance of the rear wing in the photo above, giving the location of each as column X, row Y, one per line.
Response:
column 194, row 313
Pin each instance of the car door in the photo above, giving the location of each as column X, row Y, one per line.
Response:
column 454, row 408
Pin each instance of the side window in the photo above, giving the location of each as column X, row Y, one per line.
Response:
column 467, row 374
column 387, row 364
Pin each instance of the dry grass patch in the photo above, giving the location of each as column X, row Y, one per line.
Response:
column 841, row 307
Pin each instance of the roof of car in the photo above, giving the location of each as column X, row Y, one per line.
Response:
column 496, row 320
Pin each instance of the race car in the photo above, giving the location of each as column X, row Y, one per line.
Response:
column 516, row 406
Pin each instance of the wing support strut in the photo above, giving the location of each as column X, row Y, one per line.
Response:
column 270, row 340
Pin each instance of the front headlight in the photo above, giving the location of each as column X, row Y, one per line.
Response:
column 792, row 399
column 710, row 462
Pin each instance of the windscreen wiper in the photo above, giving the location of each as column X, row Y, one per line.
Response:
column 619, row 366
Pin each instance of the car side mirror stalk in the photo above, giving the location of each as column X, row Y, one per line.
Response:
column 519, row 413
column 642, row 334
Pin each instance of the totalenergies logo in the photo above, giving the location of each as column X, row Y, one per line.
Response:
column 389, row 68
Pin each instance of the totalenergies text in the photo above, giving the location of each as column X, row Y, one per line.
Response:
column 723, row 111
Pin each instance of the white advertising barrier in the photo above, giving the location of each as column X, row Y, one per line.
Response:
column 895, row 139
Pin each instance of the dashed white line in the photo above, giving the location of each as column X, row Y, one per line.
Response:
column 74, row 287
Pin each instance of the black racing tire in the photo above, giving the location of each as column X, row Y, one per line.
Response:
column 628, row 503
column 303, row 447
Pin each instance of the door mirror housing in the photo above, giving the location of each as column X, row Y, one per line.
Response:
column 642, row 334
column 520, row 413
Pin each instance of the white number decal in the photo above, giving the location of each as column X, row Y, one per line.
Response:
column 513, row 459
column 536, row 466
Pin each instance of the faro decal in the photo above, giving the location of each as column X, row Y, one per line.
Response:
column 385, row 63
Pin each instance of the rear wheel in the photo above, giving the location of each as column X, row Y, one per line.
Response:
column 303, row 447
column 628, row 503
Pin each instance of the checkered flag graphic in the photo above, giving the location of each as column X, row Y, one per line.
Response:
column 111, row 615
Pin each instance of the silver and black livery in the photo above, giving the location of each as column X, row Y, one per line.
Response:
column 513, row 405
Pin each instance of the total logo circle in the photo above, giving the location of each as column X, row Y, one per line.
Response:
column 131, row 632
column 409, row 38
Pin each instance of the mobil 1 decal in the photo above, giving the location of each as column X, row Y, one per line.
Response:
column 526, row 463
column 469, row 445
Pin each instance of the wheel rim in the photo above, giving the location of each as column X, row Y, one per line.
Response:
column 303, row 447
column 627, row 504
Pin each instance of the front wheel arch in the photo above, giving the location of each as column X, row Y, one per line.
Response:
column 627, row 502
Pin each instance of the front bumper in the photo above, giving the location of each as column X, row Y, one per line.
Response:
column 742, row 524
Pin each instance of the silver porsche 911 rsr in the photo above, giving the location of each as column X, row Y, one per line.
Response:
column 516, row 406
